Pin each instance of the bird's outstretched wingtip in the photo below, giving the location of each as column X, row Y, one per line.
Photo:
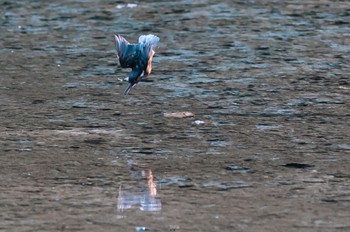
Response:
column 149, row 39
column 118, row 37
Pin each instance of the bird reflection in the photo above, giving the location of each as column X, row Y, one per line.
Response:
column 142, row 197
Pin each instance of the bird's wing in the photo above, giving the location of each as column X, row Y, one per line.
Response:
column 146, row 43
column 126, row 52
column 144, row 56
column 148, row 39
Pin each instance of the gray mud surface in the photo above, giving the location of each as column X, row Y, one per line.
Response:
column 268, row 148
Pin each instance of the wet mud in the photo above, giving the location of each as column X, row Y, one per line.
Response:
column 267, row 147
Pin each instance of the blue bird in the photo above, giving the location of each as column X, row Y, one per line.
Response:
column 138, row 57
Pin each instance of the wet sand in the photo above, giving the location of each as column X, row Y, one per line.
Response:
column 266, row 150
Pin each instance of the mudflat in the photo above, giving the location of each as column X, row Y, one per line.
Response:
column 243, row 124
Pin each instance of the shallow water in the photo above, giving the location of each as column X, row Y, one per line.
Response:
column 268, row 80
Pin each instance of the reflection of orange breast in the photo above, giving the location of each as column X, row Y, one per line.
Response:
column 152, row 187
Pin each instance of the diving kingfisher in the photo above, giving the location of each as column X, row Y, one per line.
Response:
column 138, row 57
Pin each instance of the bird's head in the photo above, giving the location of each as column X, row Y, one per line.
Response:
column 134, row 77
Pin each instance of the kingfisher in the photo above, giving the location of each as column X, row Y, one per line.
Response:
column 138, row 57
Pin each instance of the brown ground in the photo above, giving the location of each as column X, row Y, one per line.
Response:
column 269, row 79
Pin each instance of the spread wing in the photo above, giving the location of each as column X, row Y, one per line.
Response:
column 126, row 52
column 146, row 43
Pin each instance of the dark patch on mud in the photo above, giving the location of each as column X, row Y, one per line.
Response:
column 297, row 165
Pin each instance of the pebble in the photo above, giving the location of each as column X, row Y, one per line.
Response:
column 179, row 115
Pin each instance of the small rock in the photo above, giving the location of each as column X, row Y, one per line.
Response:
column 236, row 168
column 140, row 228
column 199, row 122
column 224, row 186
column 38, row 101
column 314, row 180
column 179, row 115
column 263, row 47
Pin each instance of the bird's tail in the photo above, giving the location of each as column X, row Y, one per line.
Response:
column 149, row 40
